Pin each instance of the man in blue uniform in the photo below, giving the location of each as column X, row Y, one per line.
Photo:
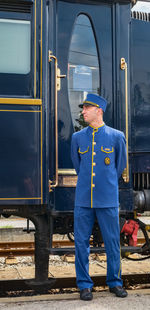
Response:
column 99, row 158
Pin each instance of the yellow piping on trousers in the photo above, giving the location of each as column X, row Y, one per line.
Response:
column 120, row 265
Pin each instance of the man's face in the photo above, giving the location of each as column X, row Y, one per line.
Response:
column 90, row 113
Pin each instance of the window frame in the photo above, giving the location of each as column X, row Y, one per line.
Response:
column 98, row 62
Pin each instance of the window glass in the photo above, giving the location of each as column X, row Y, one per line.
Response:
column 15, row 38
column 83, row 67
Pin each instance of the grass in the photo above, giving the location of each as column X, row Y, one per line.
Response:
column 7, row 226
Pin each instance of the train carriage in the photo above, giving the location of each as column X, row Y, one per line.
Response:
column 52, row 54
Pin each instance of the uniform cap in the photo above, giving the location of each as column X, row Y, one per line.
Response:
column 96, row 101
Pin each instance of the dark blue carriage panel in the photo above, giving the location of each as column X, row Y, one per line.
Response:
column 140, row 85
column 64, row 199
column 20, row 155
column 141, row 163
column 140, row 111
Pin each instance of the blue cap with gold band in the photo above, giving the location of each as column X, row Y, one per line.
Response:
column 96, row 101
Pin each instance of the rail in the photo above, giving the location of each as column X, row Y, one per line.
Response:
column 25, row 286
column 26, row 248
column 9, row 249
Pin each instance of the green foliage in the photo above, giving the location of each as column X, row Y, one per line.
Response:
column 81, row 123
column 6, row 226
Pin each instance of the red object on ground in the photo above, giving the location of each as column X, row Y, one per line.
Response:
column 131, row 228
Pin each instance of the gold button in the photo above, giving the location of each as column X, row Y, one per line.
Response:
column 93, row 185
column 94, row 164
column 94, row 153
column 94, row 143
column 93, row 174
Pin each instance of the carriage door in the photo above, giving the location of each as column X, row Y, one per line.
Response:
column 80, row 45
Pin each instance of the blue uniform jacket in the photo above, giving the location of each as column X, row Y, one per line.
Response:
column 99, row 158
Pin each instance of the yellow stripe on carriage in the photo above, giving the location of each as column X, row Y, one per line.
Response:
column 21, row 101
column 20, row 111
column 33, row 198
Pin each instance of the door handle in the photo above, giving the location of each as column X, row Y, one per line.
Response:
column 58, row 76
column 123, row 66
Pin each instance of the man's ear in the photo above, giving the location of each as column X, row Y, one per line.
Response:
column 100, row 111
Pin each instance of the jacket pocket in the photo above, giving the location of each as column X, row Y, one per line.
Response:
column 107, row 150
column 83, row 150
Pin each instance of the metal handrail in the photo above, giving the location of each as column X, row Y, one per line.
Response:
column 54, row 183
column 123, row 66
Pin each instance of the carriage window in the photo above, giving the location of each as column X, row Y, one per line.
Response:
column 15, row 46
column 83, row 67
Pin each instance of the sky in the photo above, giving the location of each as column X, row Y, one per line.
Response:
column 142, row 7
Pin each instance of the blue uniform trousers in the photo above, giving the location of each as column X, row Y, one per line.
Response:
column 108, row 220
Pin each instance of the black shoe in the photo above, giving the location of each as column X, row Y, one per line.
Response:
column 119, row 291
column 86, row 294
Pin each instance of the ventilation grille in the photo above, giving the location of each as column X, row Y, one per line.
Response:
column 141, row 16
column 15, row 6
column 141, row 181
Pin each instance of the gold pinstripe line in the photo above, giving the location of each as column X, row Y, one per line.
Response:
column 20, row 111
column 41, row 157
column 35, row 50
column 41, row 105
column 41, row 48
column 33, row 198
column 20, row 101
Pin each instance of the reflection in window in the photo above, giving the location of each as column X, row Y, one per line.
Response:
column 83, row 67
column 15, row 46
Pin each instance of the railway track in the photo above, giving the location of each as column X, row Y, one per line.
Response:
column 20, row 287
column 10, row 248
column 26, row 248
column 29, row 286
